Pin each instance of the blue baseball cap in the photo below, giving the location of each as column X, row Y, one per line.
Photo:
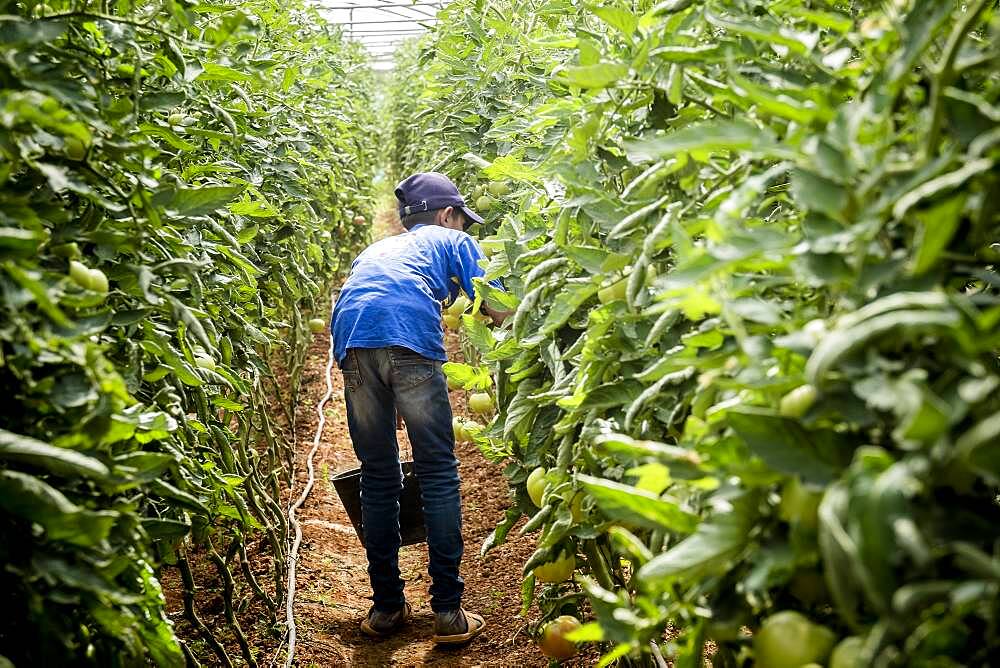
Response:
column 429, row 191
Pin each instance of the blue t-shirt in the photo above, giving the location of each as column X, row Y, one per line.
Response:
column 393, row 294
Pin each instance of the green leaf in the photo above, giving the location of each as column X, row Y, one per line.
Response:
column 509, row 167
column 19, row 241
column 468, row 376
column 896, row 326
column 591, row 259
column 60, row 461
column 167, row 135
column 738, row 136
column 30, row 282
column 565, row 305
column 707, row 552
column 940, row 184
column 227, row 404
column 201, row 200
column 217, row 72
column 628, row 504
column 786, row 446
column 618, row 18
column 597, row 76
column 817, row 193
column 32, row 499
column 766, row 32
column 980, row 446
column 479, row 333
column 16, row 31
column 589, row 632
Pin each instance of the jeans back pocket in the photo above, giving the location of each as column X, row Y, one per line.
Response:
column 351, row 371
column 410, row 368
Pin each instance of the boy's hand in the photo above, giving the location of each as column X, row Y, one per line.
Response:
column 497, row 316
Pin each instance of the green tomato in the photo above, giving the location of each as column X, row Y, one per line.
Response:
column 613, row 292
column 459, row 307
column 480, row 402
column 536, row 485
column 788, row 639
column 74, row 148
column 847, row 652
column 484, row 203
column 492, row 246
column 175, row 118
column 498, row 188
column 559, row 570
column 79, row 273
column 619, row 289
column 452, row 322
column 553, row 642
column 98, row 281
column 70, row 250
column 799, row 504
column 798, row 402
column 317, row 325
column 459, row 430
column 472, row 428
column 205, row 362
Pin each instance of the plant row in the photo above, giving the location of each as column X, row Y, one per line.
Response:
column 749, row 393
column 177, row 185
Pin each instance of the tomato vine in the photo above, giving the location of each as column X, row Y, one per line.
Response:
column 752, row 249
column 177, row 185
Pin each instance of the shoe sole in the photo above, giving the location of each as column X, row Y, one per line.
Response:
column 462, row 638
column 369, row 631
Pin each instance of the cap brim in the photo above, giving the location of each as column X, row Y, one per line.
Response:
column 472, row 215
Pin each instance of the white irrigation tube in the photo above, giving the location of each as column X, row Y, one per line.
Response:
column 293, row 553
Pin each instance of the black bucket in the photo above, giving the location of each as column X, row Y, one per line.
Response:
column 411, row 513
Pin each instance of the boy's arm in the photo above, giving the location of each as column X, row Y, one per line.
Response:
column 498, row 316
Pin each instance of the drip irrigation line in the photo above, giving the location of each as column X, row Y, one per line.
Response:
column 293, row 553
column 657, row 654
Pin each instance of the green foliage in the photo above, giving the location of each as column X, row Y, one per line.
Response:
column 192, row 162
column 815, row 185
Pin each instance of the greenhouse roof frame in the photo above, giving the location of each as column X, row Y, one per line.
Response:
column 381, row 25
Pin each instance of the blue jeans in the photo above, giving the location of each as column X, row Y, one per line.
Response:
column 377, row 383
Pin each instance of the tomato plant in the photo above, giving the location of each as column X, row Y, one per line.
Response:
column 167, row 175
column 747, row 243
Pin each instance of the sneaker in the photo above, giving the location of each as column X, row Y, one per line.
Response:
column 380, row 624
column 457, row 627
